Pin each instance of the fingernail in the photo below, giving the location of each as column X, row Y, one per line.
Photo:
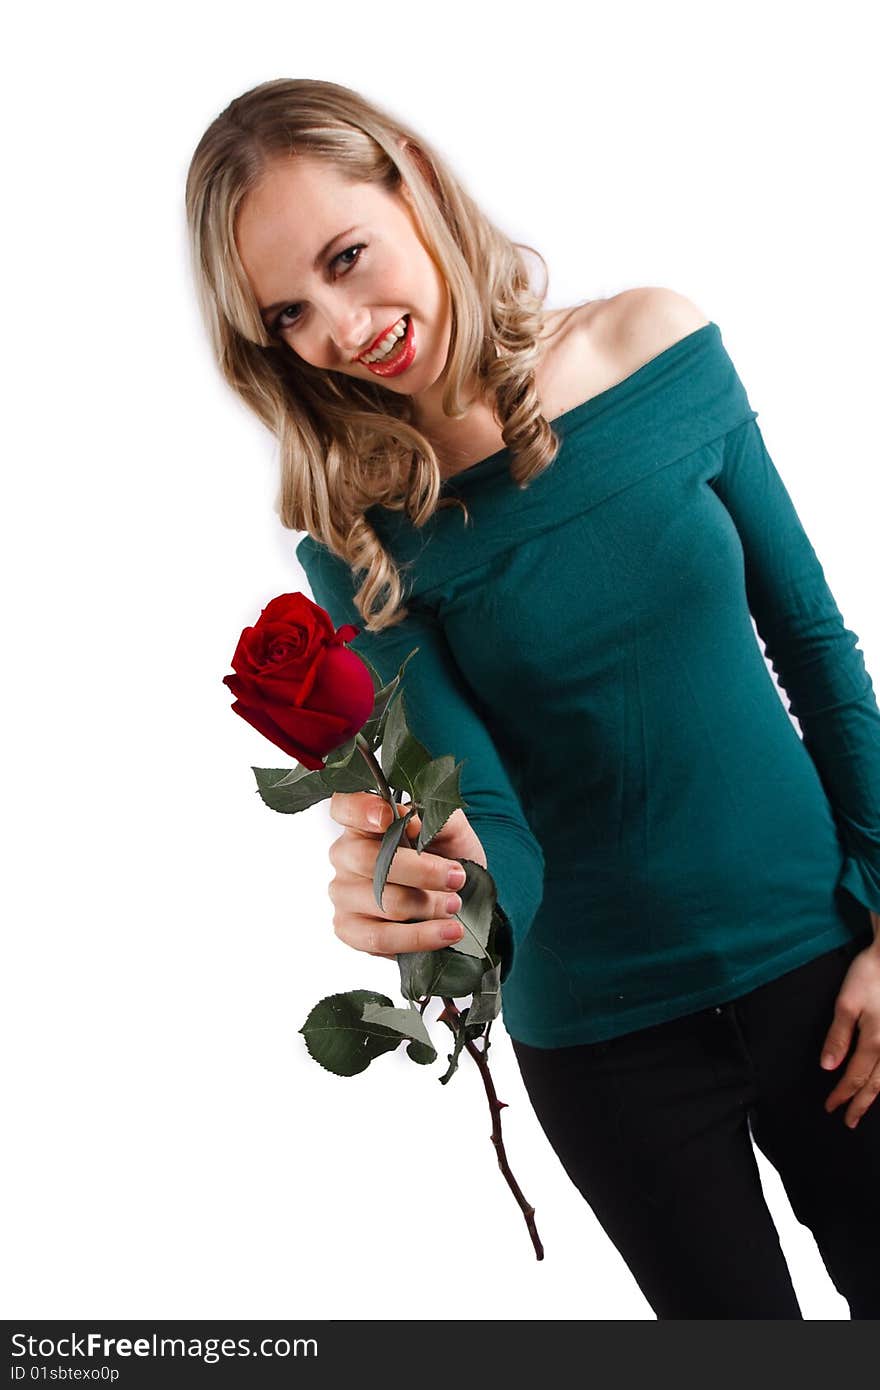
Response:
column 453, row 903
column 452, row 932
column 456, row 877
column 377, row 817
column 828, row 1059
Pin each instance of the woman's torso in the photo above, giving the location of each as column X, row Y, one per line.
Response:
column 600, row 620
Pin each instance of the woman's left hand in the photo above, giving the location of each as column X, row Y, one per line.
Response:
column 858, row 1002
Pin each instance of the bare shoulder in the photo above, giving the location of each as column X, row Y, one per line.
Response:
column 638, row 324
column 599, row 342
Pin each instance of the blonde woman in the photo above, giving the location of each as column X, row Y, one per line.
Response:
column 572, row 514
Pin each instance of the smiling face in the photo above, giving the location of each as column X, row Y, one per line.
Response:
column 335, row 265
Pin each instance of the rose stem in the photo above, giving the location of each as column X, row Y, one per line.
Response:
column 449, row 1014
column 478, row 1055
column 376, row 769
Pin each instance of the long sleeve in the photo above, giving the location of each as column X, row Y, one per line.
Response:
column 814, row 655
column 442, row 716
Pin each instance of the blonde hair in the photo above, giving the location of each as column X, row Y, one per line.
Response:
column 347, row 445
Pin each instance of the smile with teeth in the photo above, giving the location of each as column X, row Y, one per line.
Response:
column 387, row 345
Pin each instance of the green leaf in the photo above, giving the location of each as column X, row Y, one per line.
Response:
column 460, row 1038
column 286, row 776
column 406, row 1022
column 421, row 1053
column 342, row 755
column 486, row 1003
column 465, row 967
column 475, row 1030
column 437, row 788
column 374, row 729
column 403, row 756
column 289, row 790
column 389, row 845
column 340, row 1039
column 374, row 674
column 478, row 897
column 436, row 973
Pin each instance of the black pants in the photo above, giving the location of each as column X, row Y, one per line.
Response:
column 653, row 1129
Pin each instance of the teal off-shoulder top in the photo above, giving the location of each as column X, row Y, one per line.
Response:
column 662, row 835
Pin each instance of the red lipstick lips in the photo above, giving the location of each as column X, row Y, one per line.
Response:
column 399, row 358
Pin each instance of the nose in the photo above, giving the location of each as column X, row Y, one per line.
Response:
column 350, row 332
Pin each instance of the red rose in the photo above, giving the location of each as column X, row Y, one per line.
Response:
column 296, row 682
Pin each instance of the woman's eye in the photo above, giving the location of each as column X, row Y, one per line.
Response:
column 359, row 246
column 284, row 320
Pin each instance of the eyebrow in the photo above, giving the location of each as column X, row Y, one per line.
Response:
column 282, row 303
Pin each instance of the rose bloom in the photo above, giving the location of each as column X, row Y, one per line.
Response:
column 297, row 683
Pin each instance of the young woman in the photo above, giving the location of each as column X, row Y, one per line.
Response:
column 573, row 516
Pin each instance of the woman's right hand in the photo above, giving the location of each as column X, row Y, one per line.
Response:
column 417, row 915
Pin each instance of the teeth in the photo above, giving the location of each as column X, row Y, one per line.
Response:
column 387, row 343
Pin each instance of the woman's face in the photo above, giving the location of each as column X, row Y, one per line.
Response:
column 335, row 266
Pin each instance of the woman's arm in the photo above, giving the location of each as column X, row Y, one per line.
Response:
column 441, row 714
column 813, row 653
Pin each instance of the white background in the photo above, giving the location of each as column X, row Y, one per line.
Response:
column 172, row 1150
